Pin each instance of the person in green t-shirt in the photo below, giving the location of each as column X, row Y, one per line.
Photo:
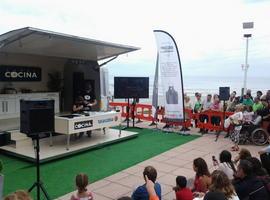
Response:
column 198, row 106
column 247, row 101
column 257, row 105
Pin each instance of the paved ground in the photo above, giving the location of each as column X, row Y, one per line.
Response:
column 177, row 161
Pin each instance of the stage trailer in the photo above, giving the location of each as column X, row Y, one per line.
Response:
column 36, row 64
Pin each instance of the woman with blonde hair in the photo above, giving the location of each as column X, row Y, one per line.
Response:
column 221, row 183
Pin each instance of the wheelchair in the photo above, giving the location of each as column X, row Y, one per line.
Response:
column 254, row 134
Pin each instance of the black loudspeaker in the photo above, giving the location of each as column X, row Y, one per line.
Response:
column 4, row 138
column 36, row 116
column 224, row 93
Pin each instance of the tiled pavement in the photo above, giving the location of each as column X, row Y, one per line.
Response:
column 177, row 161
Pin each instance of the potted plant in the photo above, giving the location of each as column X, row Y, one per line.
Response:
column 55, row 82
column 1, row 179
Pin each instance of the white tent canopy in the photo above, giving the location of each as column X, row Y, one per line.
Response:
column 33, row 41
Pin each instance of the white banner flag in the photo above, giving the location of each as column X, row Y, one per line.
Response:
column 171, row 76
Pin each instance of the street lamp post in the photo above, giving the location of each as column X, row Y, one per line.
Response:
column 246, row 25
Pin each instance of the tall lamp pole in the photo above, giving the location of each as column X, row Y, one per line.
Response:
column 246, row 25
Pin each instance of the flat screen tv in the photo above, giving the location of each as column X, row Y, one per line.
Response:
column 131, row 87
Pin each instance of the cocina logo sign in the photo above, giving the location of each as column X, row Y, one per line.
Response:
column 83, row 124
column 18, row 73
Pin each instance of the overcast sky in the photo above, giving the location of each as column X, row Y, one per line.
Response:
column 208, row 33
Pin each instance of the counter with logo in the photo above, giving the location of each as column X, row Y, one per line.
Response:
column 76, row 123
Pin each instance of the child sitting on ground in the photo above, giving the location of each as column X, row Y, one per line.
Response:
column 82, row 193
column 181, row 190
column 141, row 192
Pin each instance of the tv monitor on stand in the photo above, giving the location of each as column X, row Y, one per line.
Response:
column 131, row 87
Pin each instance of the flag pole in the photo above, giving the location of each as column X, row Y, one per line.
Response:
column 155, row 95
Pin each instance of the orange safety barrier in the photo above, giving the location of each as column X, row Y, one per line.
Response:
column 144, row 112
column 122, row 106
column 188, row 119
column 211, row 120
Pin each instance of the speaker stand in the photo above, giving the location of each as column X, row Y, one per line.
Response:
column 38, row 182
column 127, row 117
column 222, row 123
column 133, row 113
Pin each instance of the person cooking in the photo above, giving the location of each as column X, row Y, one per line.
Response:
column 85, row 103
column 89, row 98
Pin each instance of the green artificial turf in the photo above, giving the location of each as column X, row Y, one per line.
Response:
column 58, row 176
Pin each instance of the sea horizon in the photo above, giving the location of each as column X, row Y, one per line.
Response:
column 206, row 85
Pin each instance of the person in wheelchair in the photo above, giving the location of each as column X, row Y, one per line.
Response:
column 251, row 120
column 251, row 128
column 250, row 117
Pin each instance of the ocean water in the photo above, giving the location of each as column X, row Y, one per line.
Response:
column 208, row 85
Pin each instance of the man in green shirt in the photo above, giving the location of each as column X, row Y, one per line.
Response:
column 247, row 101
column 257, row 105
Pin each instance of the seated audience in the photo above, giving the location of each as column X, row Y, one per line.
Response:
column 125, row 198
column 150, row 186
column 265, row 157
column 250, row 117
column 257, row 167
column 243, row 155
column 231, row 107
column 82, row 192
column 231, row 99
column 249, row 93
column 248, row 186
column 247, row 100
column 226, row 165
column 215, row 196
column 181, row 190
column 265, row 99
column 141, row 192
column 202, row 177
column 260, row 172
column 259, row 94
column 18, row 195
column 257, row 105
column 221, row 183
column 247, row 114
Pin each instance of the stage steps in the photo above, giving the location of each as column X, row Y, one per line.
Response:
column 20, row 139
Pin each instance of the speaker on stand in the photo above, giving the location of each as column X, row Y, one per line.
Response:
column 224, row 95
column 36, row 118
